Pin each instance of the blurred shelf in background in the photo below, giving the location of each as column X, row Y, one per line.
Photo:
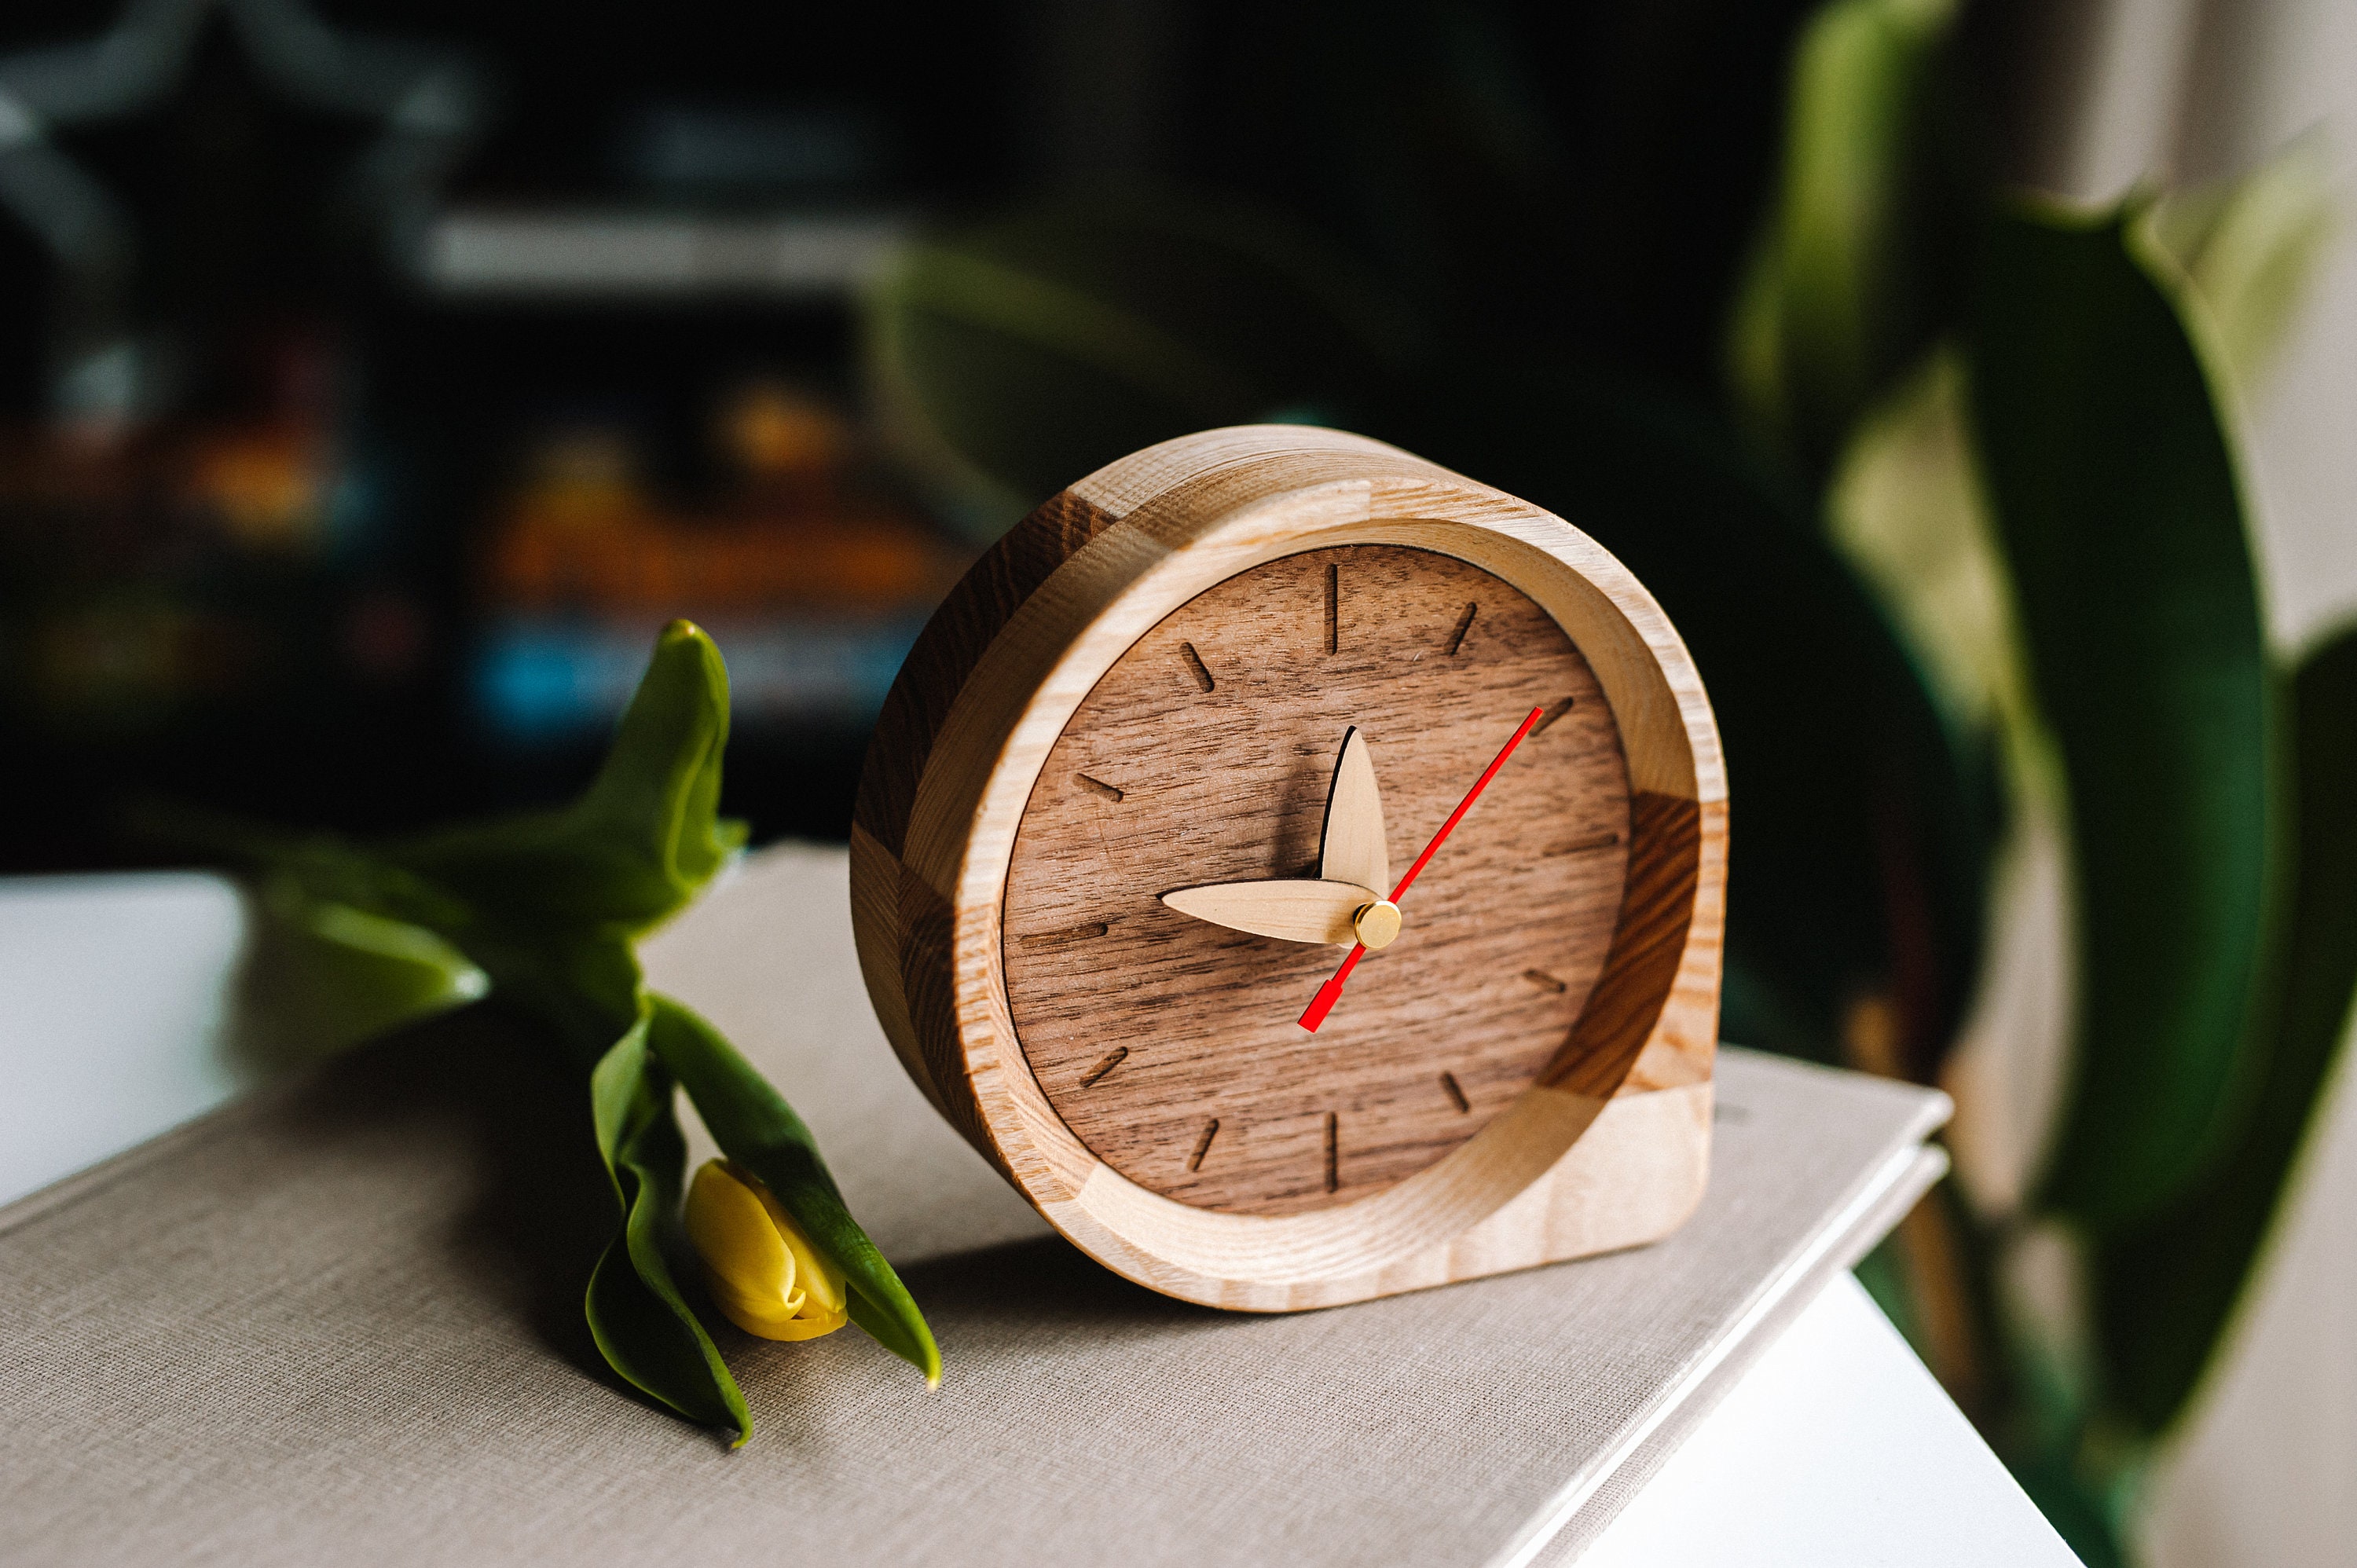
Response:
column 375, row 382
column 641, row 256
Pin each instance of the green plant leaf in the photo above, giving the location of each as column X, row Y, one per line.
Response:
column 1907, row 507
column 2082, row 1515
column 318, row 976
column 1857, row 265
column 638, row 845
column 642, row 1324
column 2249, row 246
column 1010, row 358
column 2115, row 488
column 754, row 1126
column 545, row 905
column 2164, row 1294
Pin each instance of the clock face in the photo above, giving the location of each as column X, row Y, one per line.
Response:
column 1170, row 1044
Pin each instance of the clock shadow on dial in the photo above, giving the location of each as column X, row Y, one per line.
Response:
column 1169, row 1046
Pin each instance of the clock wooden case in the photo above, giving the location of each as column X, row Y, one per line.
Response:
column 1146, row 781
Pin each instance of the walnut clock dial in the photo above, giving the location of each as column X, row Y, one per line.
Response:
column 1170, row 1044
column 1300, row 870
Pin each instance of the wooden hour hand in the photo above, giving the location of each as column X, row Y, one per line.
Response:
column 1293, row 910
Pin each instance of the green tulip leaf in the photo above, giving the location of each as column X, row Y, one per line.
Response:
column 639, row 845
column 2164, row 1294
column 755, row 1127
column 544, row 906
column 318, row 976
column 2115, row 489
column 642, row 1326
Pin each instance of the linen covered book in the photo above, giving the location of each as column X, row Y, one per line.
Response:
column 339, row 1322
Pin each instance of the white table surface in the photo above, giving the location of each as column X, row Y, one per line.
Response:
column 1836, row 1447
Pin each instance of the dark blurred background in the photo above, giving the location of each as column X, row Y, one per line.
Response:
column 375, row 379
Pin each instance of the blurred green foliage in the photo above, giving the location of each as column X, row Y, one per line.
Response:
column 2113, row 482
column 1940, row 486
column 2166, row 1285
column 1860, row 263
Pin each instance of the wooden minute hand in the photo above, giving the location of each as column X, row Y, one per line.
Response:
column 1352, row 865
column 1350, row 848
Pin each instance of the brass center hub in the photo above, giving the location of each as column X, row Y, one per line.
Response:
column 1377, row 924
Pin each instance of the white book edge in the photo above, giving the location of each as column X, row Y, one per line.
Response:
column 1570, row 1520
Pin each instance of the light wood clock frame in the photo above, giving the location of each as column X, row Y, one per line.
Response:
column 1532, row 1083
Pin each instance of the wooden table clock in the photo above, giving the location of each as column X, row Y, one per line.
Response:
column 1300, row 870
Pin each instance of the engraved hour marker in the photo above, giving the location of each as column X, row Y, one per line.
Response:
column 1098, row 786
column 1068, row 935
column 1464, row 625
column 1455, row 1095
column 1553, row 713
column 1581, row 846
column 1120, row 1054
column 1333, row 609
column 1195, row 664
column 1333, row 1152
column 1203, row 1144
column 1544, row 981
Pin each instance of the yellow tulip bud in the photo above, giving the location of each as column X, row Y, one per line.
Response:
column 763, row 1272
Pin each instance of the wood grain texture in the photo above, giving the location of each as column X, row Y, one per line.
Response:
column 1649, row 939
column 1232, row 784
column 947, row 649
column 986, row 698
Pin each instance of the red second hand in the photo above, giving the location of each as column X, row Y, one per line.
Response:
column 1331, row 992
